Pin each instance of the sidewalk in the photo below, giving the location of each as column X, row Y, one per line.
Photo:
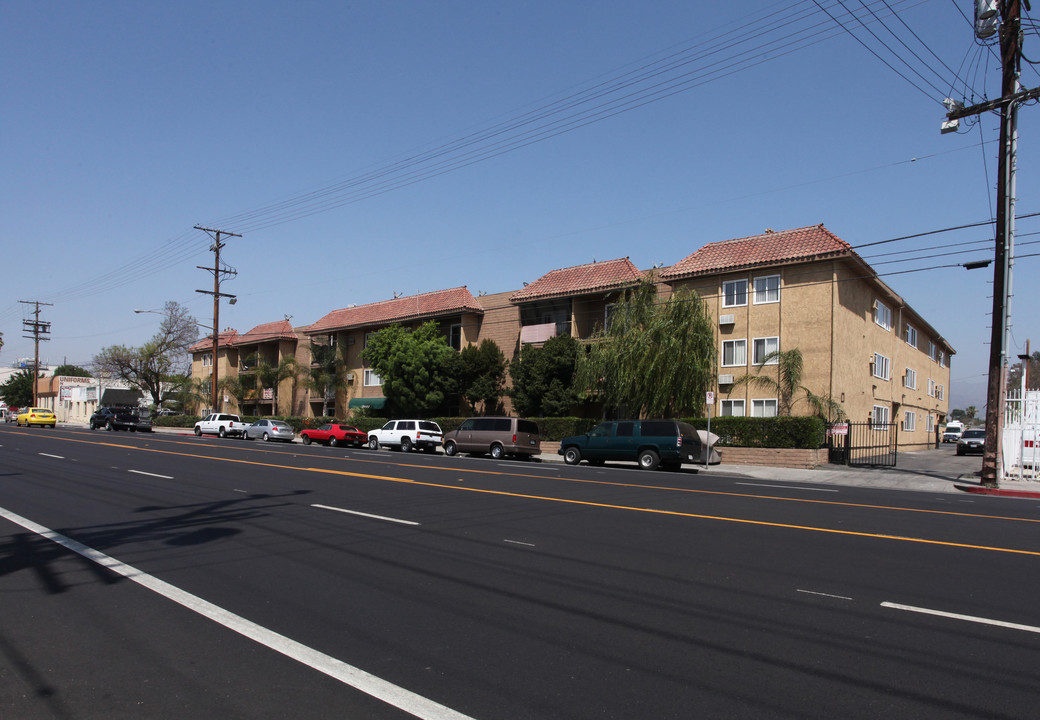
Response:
column 926, row 471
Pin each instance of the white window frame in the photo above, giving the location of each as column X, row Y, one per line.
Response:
column 881, row 368
column 942, row 359
column 879, row 417
column 767, row 294
column 933, row 351
column 372, row 378
column 931, row 387
column 910, row 335
column 758, row 407
column 882, row 315
column 732, row 406
column 940, row 392
column 742, row 343
column 725, row 295
column 909, row 420
column 764, row 341
column 368, row 336
column 207, row 359
column 910, row 379
column 929, row 423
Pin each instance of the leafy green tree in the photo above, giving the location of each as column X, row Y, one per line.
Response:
column 71, row 371
column 543, row 378
column 958, row 414
column 161, row 364
column 325, row 376
column 788, row 383
column 654, row 358
column 480, row 371
column 969, row 413
column 414, row 366
column 18, row 390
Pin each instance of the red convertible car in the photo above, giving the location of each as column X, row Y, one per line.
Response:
column 334, row 435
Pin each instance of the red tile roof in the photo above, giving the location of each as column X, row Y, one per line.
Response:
column 771, row 248
column 581, row 280
column 225, row 339
column 403, row 309
column 278, row 330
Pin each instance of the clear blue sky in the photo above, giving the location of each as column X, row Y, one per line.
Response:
column 123, row 124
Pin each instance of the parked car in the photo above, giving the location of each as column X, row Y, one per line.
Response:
column 496, row 436
column 334, row 434
column 120, row 418
column 971, row 441
column 36, row 416
column 11, row 415
column 270, row 430
column 952, row 434
column 407, row 434
column 651, row 443
column 221, row 425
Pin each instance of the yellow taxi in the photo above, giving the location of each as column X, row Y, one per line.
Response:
column 35, row 416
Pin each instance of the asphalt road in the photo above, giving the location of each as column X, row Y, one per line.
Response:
column 170, row 576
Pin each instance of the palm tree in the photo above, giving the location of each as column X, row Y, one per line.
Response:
column 788, row 383
column 271, row 376
column 326, row 373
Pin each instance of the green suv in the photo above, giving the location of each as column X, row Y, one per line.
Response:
column 651, row 443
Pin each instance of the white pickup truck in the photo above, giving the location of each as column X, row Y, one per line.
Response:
column 407, row 434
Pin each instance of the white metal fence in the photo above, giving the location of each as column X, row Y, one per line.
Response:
column 1021, row 437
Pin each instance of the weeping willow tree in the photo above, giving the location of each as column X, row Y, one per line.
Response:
column 654, row 359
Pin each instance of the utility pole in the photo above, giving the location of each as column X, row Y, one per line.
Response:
column 1010, row 33
column 38, row 330
column 219, row 274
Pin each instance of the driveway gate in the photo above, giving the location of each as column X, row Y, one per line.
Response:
column 863, row 444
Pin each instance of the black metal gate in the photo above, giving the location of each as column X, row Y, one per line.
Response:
column 863, row 444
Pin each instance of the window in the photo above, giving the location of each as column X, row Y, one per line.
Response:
column 910, row 379
column 931, row 387
column 207, row 359
column 940, row 392
column 910, row 335
column 767, row 289
column 882, row 315
column 762, row 348
column 929, row 423
column 880, row 367
column 933, row 352
column 455, row 336
column 732, row 408
column 734, row 353
column 763, row 408
column 879, row 418
column 734, row 293
column 909, row 420
column 371, row 378
column 368, row 338
column 942, row 359
column 608, row 315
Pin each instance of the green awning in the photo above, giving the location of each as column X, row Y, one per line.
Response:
column 374, row 403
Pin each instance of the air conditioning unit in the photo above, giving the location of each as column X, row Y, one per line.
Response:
column 350, row 377
column 725, row 379
column 725, row 319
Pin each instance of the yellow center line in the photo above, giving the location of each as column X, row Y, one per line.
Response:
column 588, row 503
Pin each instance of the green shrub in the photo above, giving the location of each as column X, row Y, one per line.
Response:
column 774, row 432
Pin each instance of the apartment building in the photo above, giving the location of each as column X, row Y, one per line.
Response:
column 803, row 289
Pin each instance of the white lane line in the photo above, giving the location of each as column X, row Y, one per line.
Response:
column 374, row 517
column 517, row 542
column 56, row 457
column 837, row 597
column 957, row 616
column 142, row 472
column 788, row 487
column 378, row 688
column 240, row 491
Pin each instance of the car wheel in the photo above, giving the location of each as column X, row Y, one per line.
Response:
column 649, row 460
column 267, row 438
column 406, row 444
column 306, row 439
column 497, row 452
column 222, row 433
column 333, row 442
column 450, row 448
column 373, row 443
column 572, row 456
column 198, row 431
column 245, row 436
column 110, row 427
column 959, row 451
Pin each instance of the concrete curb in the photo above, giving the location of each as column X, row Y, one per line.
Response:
column 999, row 491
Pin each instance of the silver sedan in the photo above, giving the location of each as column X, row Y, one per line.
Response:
column 268, row 430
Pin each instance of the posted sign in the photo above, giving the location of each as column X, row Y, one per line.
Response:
column 710, row 398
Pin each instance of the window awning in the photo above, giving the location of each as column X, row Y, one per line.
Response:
column 376, row 403
column 537, row 333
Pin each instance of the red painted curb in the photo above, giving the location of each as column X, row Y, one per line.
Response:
column 979, row 490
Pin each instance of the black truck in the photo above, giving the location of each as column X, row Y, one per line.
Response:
column 121, row 418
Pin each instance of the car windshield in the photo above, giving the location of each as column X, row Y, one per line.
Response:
column 973, row 434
